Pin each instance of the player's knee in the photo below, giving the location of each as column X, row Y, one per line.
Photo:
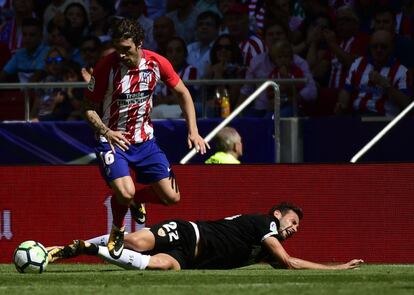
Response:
column 172, row 198
column 125, row 195
column 136, row 243
column 163, row 263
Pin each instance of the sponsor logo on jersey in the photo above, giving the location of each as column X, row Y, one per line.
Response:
column 91, row 84
column 126, row 99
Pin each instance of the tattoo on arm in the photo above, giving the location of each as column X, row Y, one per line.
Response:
column 93, row 118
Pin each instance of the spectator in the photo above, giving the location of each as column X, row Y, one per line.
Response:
column 316, row 49
column 90, row 50
column 163, row 31
column 226, row 63
column 166, row 103
column 28, row 62
column 54, row 11
column 208, row 25
column 73, row 96
column 236, row 19
column 262, row 66
column 50, row 104
column 78, row 23
column 185, row 20
column 282, row 11
column 377, row 84
column 11, row 27
column 345, row 45
column 99, row 13
column 155, row 8
column 405, row 19
column 281, row 54
column 384, row 19
column 61, row 36
column 229, row 147
column 209, row 5
column 134, row 9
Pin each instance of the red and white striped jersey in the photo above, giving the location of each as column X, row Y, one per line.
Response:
column 250, row 48
column 355, row 45
column 126, row 93
column 371, row 98
column 188, row 72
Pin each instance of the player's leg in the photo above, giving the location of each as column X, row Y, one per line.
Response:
column 154, row 169
column 163, row 261
column 124, row 190
column 115, row 170
column 130, row 259
column 141, row 241
column 167, row 190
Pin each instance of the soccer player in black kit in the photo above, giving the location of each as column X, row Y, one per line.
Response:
column 227, row 243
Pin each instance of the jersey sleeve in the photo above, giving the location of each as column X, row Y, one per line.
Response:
column 98, row 83
column 167, row 72
column 265, row 227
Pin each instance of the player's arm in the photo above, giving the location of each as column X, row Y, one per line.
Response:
column 286, row 261
column 187, row 106
column 91, row 115
column 90, row 110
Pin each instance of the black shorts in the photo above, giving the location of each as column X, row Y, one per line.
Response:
column 176, row 238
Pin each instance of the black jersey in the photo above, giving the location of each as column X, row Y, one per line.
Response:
column 228, row 243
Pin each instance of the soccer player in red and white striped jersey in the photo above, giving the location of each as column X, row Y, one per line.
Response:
column 122, row 85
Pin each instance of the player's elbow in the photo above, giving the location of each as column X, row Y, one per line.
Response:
column 293, row 263
column 287, row 263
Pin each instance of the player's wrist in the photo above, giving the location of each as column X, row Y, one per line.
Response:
column 104, row 131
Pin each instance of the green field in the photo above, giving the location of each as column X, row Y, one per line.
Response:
column 259, row 279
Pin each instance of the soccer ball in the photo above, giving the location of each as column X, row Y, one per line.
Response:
column 30, row 257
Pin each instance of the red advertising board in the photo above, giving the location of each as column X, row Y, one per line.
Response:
column 350, row 211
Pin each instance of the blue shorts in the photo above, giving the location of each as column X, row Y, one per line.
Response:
column 146, row 159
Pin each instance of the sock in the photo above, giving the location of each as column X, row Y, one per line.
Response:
column 100, row 241
column 118, row 212
column 147, row 195
column 129, row 259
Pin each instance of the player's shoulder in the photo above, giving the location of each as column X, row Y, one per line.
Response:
column 107, row 61
column 154, row 56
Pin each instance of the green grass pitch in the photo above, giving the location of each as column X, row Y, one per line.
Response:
column 258, row 279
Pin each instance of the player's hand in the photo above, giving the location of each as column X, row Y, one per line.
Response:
column 354, row 263
column 117, row 138
column 198, row 142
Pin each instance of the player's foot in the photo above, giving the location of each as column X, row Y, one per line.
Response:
column 116, row 242
column 138, row 213
column 69, row 251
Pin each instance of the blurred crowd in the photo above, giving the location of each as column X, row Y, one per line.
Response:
column 356, row 55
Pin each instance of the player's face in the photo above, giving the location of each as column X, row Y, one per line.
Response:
column 128, row 51
column 289, row 223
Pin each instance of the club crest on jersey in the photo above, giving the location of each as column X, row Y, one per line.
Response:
column 146, row 76
column 91, row 84
column 161, row 232
column 273, row 227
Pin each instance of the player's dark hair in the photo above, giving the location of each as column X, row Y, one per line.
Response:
column 123, row 28
column 284, row 207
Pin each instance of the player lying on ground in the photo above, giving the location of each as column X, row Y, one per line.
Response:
column 222, row 244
